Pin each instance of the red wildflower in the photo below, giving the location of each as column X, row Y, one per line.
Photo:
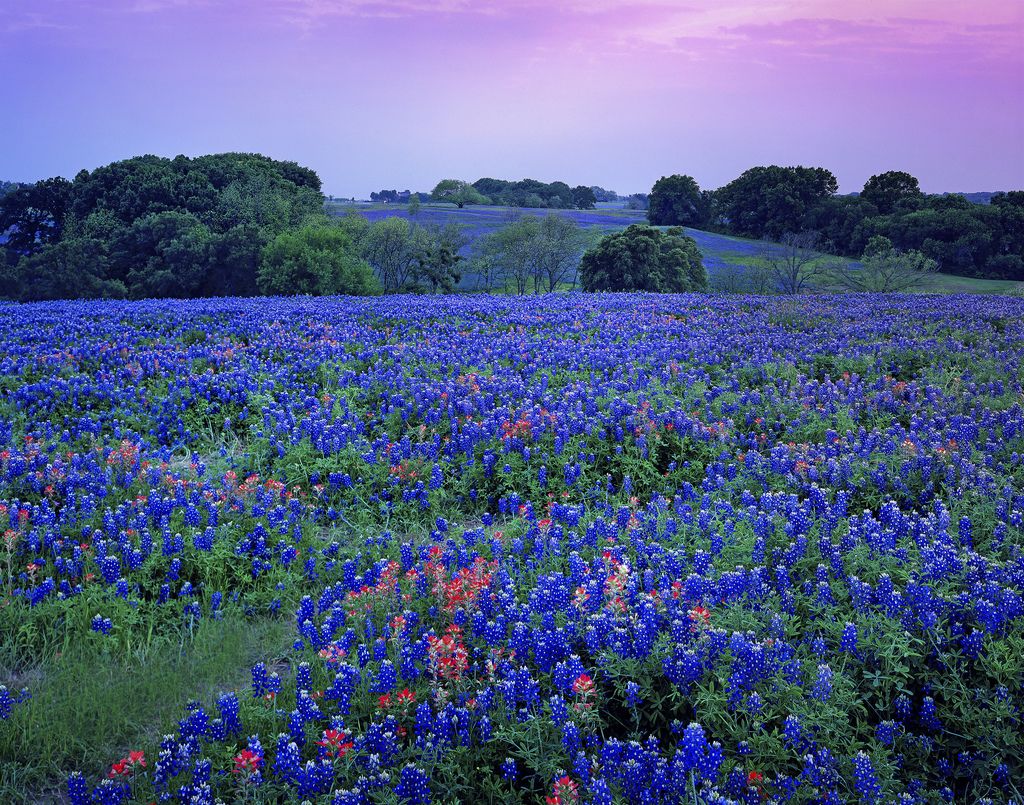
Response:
column 247, row 762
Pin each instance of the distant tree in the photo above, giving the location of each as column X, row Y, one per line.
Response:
column 638, row 201
column 643, row 258
column 768, row 201
column 457, row 192
column 795, row 263
column 317, row 258
column 961, row 237
column 888, row 190
column 160, row 227
column 604, row 195
column 837, row 218
column 533, row 193
column 884, row 269
column 677, row 201
column 492, row 188
column 414, row 204
column 583, row 198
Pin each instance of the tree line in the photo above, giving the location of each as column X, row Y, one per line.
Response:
column 775, row 203
column 220, row 225
column 524, row 193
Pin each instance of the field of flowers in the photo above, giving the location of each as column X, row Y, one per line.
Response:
column 562, row 549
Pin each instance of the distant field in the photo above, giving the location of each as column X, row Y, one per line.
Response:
column 720, row 252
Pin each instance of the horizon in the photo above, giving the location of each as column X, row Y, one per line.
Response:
column 700, row 88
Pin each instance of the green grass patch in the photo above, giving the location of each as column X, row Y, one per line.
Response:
column 90, row 705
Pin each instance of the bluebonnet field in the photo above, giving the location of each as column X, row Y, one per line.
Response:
column 573, row 549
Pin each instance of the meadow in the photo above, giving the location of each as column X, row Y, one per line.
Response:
column 564, row 549
column 722, row 254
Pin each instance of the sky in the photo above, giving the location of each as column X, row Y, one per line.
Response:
column 398, row 94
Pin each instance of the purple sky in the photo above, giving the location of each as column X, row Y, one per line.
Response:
column 401, row 93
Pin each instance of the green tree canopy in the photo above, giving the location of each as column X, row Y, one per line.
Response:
column 318, row 258
column 677, row 201
column 583, row 198
column 532, row 253
column 157, row 227
column 457, row 192
column 769, row 201
column 643, row 258
column 888, row 190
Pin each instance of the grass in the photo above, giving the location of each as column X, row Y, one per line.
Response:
column 950, row 283
column 90, row 705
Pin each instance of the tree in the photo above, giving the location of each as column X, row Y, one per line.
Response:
column 638, row 201
column 558, row 246
column 393, row 247
column 32, row 216
column 161, row 227
column 317, row 258
column 643, row 258
column 532, row 252
column 677, row 201
column 1007, row 262
column 438, row 260
column 604, row 195
column 457, row 192
column 888, row 190
column 795, row 262
column 768, row 201
column 414, row 204
column 509, row 253
column 492, row 188
column 583, row 198
column 69, row 269
column 884, row 269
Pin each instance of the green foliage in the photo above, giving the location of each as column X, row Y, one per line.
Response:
column 677, row 201
column 408, row 257
column 32, row 216
column 770, row 201
column 317, row 258
column 457, row 192
column 150, row 226
column 886, row 191
column 536, row 194
column 438, row 259
column 94, row 699
column 584, row 198
column 73, row 268
column 643, row 258
column 533, row 253
column 885, row 269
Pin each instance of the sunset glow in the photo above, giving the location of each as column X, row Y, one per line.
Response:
column 379, row 93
